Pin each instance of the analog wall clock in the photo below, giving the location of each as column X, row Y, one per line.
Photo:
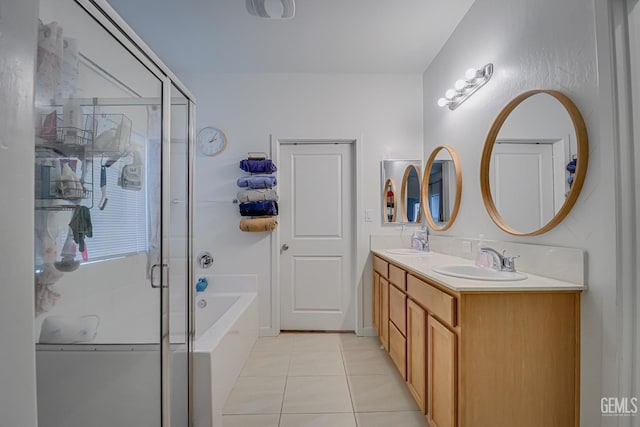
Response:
column 211, row 141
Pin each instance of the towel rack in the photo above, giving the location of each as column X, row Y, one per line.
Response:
column 257, row 155
column 266, row 223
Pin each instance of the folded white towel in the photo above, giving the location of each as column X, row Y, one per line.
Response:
column 69, row 329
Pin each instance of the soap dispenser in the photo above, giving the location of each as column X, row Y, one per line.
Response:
column 420, row 240
column 482, row 259
column 415, row 241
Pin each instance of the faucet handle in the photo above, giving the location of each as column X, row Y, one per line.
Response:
column 508, row 262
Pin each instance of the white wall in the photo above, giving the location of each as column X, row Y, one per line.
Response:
column 18, row 30
column 382, row 111
column 541, row 44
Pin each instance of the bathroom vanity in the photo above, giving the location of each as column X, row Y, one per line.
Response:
column 480, row 353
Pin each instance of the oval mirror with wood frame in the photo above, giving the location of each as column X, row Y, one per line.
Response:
column 410, row 195
column 534, row 162
column 389, row 200
column 442, row 188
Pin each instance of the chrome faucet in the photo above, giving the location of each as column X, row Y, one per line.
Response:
column 501, row 262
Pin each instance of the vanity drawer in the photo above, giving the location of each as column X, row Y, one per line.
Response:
column 438, row 303
column 381, row 266
column 398, row 350
column 398, row 309
column 398, row 277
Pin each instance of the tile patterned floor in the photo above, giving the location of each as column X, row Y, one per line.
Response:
column 320, row 380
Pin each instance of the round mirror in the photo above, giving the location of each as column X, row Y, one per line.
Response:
column 442, row 188
column 389, row 201
column 411, row 194
column 534, row 162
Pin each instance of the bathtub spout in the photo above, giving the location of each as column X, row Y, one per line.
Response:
column 202, row 284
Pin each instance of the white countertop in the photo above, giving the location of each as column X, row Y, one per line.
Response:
column 422, row 265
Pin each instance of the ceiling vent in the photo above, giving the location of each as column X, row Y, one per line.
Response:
column 272, row 9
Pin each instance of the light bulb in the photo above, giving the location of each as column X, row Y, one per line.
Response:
column 459, row 85
column 450, row 94
column 471, row 74
column 442, row 102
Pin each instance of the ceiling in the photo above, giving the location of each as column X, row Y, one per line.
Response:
column 325, row 36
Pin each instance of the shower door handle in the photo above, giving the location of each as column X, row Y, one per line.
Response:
column 152, row 278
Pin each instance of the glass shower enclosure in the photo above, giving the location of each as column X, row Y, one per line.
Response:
column 112, row 262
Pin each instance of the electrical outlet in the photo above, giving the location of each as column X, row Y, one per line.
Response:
column 466, row 247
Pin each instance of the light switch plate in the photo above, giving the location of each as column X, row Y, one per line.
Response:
column 368, row 215
column 466, row 247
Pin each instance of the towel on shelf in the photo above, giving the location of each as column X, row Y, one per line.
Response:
column 257, row 181
column 258, row 166
column 264, row 208
column 81, row 225
column 257, row 195
column 257, row 225
column 58, row 329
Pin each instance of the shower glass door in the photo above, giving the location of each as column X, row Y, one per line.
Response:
column 111, row 227
column 179, row 249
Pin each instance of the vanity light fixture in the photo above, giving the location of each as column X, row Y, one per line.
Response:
column 474, row 79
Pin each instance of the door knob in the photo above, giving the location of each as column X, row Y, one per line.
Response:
column 285, row 247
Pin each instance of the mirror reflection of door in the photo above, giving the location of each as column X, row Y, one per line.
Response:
column 528, row 175
column 527, row 182
column 442, row 188
column 411, row 195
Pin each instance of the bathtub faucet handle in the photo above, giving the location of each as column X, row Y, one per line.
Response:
column 205, row 259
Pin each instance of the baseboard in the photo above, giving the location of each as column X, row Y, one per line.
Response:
column 267, row 331
column 367, row 332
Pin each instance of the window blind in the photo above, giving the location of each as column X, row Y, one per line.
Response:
column 122, row 227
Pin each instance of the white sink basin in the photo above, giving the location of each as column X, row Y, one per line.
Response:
column 406, row 251
column 473, row 272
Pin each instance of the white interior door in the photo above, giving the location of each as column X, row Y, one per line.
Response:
column 522, row 184
column 316, row 205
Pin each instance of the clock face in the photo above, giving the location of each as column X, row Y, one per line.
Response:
column 211, row 141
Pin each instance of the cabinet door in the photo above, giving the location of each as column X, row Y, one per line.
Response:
column 398, row 309
column 398, row 350
column 384, row 313
column 441, row 374
column 376, row 302
column 417, row 353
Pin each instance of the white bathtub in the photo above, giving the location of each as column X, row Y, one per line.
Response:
column 226, row 330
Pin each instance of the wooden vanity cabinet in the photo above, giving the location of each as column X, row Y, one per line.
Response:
column 417, row 353
column 376, row 302
column 398, row 309
column 398, row 349
column 398, row 329
column 381, row 300
column 483, row 358
column 384, row 313
column 441, row 374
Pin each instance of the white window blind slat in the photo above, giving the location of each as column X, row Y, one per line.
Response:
column 122, row 227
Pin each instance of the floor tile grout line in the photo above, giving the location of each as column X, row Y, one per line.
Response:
column 344, row 365
column 284, row 392
column 286, row 381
